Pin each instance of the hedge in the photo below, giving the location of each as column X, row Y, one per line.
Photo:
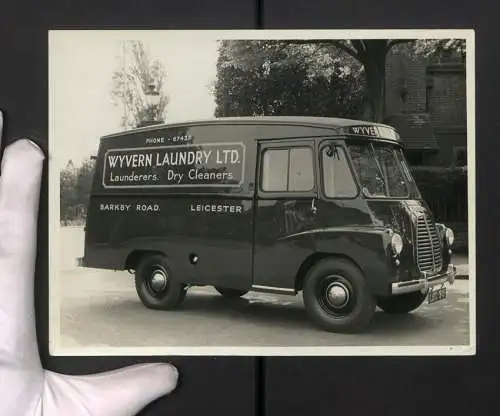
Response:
column 445, row 190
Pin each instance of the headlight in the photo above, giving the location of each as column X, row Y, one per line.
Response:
column 450, row 237
column 442, row 230
column 396, row 243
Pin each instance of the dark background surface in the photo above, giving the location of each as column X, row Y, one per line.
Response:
column 283, row 386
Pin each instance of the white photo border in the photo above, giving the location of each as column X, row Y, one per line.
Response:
column 55, row 347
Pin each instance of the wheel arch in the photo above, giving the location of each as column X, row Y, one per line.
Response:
column 135, row 256
column 315, row 258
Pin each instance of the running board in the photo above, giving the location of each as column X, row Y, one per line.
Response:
column 272, row 289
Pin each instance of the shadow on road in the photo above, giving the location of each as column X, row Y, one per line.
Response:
column 283, row 315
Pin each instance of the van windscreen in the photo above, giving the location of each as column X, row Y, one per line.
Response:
column 382, row 170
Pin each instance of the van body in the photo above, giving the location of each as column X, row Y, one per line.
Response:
column 323, row 206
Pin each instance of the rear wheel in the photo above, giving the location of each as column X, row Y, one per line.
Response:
column 400, row 304
column 337, row 297
column 230, row 293
column 154, row 285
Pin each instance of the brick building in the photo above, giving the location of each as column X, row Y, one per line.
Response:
column 426, row 101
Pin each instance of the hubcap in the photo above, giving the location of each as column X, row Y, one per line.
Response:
column 337, row 294
column 158, row 280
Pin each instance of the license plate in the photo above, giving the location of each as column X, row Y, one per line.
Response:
column 435, row 295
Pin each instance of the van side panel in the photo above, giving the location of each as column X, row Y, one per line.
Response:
column 209, row 220
column 363, row 247
column 179, row 228
column 282, row 241
column 144, row 199
column 126, row 226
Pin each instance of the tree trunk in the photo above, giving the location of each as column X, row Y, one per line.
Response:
column 375, row 81
column 373, row 57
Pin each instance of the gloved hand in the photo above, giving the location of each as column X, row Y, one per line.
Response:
column 25, row 387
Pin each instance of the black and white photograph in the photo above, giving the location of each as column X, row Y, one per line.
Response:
column 262, row 192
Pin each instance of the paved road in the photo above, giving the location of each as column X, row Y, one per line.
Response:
column 101, row 308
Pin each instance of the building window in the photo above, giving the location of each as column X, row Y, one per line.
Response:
column 460, row 156
column 288, row 170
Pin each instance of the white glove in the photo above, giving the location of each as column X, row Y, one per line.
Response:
column 25, row 387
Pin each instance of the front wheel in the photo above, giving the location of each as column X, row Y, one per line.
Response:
column 154, row 285
column 401, row 304
column 337, row 297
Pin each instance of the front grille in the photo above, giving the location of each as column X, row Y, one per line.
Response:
column 429, row 255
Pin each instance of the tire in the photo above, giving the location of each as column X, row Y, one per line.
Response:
column 230, row 293
column 167, row 295
column 401, row 304
column 350, row 313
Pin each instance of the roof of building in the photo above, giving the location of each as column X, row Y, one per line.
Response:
column 416, row 131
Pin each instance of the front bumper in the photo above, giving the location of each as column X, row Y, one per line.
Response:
column 425, row 283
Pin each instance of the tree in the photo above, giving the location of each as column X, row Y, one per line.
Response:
column 372, row 55
column 83, row 186
column 279, row 78
column 67, row 196
column 365, row 58
column 75, row 187
column 137, row 75
column 440, row 47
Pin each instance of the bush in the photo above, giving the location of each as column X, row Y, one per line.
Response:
column 445, row 190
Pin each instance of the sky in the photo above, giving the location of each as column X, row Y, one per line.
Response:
column 81, row 67
column 81, row 64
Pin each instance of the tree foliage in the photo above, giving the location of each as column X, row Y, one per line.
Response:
column 137, row 74
column 280, row 78
column 75, row 187
column 295, row 76
column 67, row 196
column 371, row 54
column 436, row 48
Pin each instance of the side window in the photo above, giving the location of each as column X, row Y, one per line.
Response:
column 275, row 170
column 301, row 169
column 288, row 170
column 337, row 176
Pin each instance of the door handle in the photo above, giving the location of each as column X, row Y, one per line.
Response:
column 314, row 208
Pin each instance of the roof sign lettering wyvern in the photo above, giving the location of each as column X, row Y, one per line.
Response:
column 200, row 165
column 380, row 132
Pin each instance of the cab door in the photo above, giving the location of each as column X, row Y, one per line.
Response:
column 285, row 210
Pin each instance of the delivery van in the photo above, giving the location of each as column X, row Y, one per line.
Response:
column 322, row 207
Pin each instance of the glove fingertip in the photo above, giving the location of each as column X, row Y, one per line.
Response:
column 39, row 145
column 169, row 375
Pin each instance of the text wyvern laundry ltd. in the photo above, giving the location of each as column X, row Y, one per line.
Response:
column 178, row 158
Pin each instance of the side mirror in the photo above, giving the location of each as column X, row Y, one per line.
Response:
column 332, row 151
column 329, row 150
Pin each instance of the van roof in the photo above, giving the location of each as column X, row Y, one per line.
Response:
column 331, row 122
